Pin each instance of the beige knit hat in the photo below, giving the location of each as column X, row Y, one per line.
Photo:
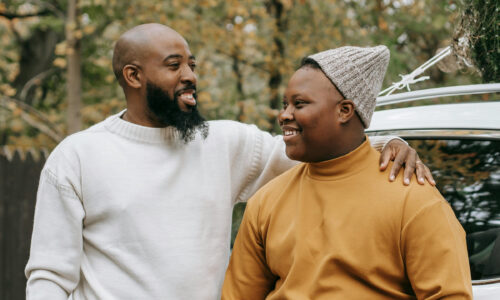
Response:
column 358, row 73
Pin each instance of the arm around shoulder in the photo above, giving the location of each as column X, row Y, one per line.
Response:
column 379, row 142
column 261, row 157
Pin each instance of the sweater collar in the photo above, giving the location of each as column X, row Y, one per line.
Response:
column 140, row 133
column 343, row 166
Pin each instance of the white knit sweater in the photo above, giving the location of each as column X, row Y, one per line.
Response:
column 129, row 212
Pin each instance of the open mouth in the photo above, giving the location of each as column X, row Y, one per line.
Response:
column 290, row 132
column 187, row 96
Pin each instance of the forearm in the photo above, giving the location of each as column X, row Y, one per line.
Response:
column 53, row 268
column 261, row 159
column 39, row 287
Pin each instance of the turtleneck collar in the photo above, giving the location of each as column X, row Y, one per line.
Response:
column 343, row 166
column 140, row 133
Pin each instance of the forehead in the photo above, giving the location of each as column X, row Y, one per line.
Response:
column 167, row 45
column 309, row 81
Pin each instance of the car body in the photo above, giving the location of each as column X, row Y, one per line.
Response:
column 460, row 143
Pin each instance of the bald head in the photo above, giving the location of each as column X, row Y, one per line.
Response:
column 136, row 44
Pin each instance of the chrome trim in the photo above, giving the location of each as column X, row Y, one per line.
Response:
column 486, row 281
column 439, row 92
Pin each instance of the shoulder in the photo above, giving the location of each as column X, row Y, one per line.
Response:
column 68, row 149
column 83, row 136
column 425, row 202
column 423, row 195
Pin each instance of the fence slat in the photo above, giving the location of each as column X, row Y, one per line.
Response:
column 18, row 185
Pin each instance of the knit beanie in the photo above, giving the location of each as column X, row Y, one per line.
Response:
column 357, row 73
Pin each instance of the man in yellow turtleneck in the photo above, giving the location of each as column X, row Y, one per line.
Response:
column 334, row 227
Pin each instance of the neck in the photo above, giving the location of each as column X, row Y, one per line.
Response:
column 345, row 165
column 139, row 119
column 351, row 138
column 137, row 112
column 349, row 142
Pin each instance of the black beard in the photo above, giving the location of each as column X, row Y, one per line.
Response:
column 166, row 112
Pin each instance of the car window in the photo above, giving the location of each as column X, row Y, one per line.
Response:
column 467, row 173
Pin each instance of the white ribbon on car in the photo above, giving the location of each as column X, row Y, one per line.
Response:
column 406, row 80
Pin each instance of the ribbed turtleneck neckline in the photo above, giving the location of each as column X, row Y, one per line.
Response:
column 344, row 166
column 140, row 133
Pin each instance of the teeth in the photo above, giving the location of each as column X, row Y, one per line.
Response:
column 290, row 132
column 188, row 96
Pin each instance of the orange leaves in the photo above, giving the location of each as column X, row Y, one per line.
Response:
column 207, row 3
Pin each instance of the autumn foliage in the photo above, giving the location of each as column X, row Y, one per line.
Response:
column 246, row 51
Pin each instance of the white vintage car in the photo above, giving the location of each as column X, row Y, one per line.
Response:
column 460, row 143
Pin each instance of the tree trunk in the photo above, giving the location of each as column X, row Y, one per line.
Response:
column 276, row 10
column 37, row 54
column 74, row 85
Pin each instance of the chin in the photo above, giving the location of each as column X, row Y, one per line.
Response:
column 294, row 155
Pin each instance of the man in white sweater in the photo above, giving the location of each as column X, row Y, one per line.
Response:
column 139, row 206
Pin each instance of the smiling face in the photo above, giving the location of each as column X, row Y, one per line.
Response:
column 170, row 65
column 155, row 67
column 309, row 118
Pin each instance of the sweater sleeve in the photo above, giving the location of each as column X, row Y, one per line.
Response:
column 379, row 142
column 435, row 252
column 248, row 275
column 53, row 267
column 260, row 158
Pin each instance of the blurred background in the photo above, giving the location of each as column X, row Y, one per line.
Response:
column 56, row 76
column 55, row 56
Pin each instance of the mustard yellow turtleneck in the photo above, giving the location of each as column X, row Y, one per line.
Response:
column 340, row 230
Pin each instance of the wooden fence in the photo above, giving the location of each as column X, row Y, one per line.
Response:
column 19, row 175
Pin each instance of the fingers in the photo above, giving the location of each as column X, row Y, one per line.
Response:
column 423, row 172
column 428, row 176
column 410, row 165
column 396, row 166
column 420, row 172
column 404, row 155
column 385, row 157
column 407, row 157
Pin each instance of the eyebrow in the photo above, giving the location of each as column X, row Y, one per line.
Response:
column 178, row 56
column 294, row 96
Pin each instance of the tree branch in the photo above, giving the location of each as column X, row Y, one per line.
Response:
column 50, row 7
column 33, row 81
column 11, row 16
column 27, row 112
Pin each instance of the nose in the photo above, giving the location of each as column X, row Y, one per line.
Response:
column 286, row 114
column 188, row 76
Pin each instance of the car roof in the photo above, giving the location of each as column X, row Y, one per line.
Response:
column 477, row 115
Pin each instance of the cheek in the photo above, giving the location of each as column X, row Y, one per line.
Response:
column 169, row 82
column 314, row 124
column 319, row 134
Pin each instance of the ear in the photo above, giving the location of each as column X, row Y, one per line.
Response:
column 132, row 76
column 346, row 110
